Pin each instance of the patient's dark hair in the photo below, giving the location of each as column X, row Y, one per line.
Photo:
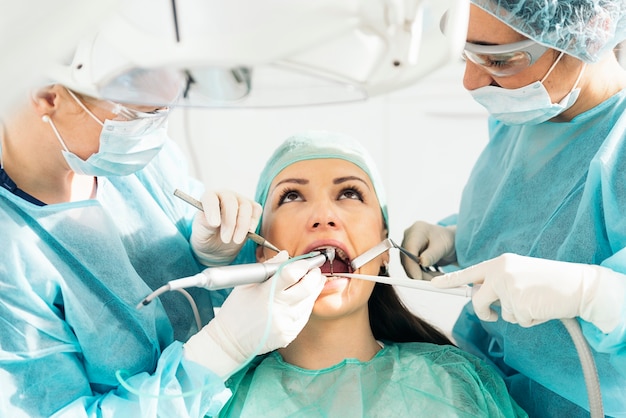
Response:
column 391, row 320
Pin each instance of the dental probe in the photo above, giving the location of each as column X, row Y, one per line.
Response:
column 465, row 290
column 214, row 278
column 198, row 205
column 385, row 245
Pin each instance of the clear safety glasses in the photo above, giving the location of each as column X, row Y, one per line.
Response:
column 504, row 60
column 126, row 113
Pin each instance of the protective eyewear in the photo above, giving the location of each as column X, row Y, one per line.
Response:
column 504, row 60
column 126, row 113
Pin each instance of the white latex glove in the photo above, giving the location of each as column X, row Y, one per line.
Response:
column 533, row 290
column 433, row 244
column 220, row 231
column 238, row 330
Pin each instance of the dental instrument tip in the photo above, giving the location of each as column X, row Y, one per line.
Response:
column 262, row 241
column 198, row 205
column 330, row 256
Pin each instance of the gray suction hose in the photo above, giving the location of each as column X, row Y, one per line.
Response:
column 588, row 364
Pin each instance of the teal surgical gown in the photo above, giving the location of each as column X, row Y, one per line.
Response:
column 402, row 380
column 71, row 276
column 554, row 191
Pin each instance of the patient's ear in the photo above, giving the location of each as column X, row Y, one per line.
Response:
column 384, row 268
column 386, row 257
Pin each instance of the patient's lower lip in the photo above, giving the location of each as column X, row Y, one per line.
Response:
column 334, row 282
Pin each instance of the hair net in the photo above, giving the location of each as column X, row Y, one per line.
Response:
column 313, row 145
column 585, row 29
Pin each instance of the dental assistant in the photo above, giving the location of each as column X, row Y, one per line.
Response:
column 89, row 227
column 541, row 224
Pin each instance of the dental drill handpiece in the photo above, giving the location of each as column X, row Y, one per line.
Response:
column 214, row 278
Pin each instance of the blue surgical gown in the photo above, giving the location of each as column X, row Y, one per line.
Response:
column 555, row 191
column 402, row 380
column 70, row 279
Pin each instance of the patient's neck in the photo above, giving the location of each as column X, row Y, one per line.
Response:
column 325, row 342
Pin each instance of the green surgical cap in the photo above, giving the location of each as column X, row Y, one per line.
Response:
column 585, row 29
column 314, row 145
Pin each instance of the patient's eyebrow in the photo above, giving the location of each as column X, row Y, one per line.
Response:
column 292, row 180
column 340, row 180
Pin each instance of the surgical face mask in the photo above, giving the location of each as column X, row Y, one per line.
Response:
column 126, row 146
column 528, row 105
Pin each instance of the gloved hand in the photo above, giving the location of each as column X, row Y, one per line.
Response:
column 433, row 244
column 238, row 331
column 220, row 231
column 533, row 290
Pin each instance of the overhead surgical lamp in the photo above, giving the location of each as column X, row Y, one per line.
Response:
column 264, row 53
column 35, row 32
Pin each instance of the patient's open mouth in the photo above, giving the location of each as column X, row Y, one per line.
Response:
column 341, row 263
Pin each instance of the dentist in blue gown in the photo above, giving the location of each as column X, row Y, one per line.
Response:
column 89, row 227
column 542, row 220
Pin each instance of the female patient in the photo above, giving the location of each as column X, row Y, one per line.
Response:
column 362, row 353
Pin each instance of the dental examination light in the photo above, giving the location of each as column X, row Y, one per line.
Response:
column 265, row 53
column 34, row 33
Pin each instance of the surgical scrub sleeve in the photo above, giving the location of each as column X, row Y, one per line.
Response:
column 72, row 275
column 402, row 380
column 554, row 191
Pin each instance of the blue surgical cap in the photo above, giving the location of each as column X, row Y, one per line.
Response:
column 314, row 145
column 585, row 29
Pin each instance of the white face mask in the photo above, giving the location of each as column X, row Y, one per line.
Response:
column 528, row 105
column 125, row 146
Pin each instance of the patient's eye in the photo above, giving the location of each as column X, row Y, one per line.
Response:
column 289, row 195
column 351, row 193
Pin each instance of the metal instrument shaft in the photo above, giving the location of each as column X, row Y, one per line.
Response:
column 198, row 205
